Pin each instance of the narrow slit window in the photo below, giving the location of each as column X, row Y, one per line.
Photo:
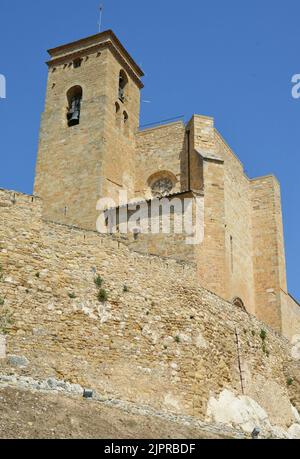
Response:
column 118, row 115
column 126, row 123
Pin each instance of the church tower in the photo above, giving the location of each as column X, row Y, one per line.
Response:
column 87, row 138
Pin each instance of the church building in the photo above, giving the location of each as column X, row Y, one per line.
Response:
column 91, row 147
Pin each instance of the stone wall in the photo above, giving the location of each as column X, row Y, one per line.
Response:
column 159, row 340
column 2, row 346
column 166, row 233
column 158, row 150
column 242, row 255
column 211, row 253
column 268, row 251
column 290, row 317
column 238, row 222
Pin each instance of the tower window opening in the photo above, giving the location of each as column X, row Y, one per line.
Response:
column 118, row 115
column 123, row 81
column 77, row 63
column 74, row 96
column 126, row 122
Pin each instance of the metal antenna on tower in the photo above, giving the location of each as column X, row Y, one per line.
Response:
column 100, row 17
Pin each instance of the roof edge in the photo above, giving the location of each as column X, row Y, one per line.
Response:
column 107, row 34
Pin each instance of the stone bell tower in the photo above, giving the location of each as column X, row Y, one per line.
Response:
column 87, row 137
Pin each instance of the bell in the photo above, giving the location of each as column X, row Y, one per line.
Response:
column 74, row 112
column 73, row 117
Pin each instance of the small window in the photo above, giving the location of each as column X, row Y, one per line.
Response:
column 123, row 81
column 126, row 123
column 74, row 96
column 77, row 63
column 118, row 115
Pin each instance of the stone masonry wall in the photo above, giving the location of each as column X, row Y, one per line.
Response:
column 163, row 341
column 173, row 241
column 290, row 311
column 161, row 149
column 238, row 223
column 211, row 253
column 268, row 251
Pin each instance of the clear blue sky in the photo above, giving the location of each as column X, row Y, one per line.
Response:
column 229, row 59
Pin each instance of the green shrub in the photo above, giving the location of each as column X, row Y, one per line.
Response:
column 263, row 334
column 125, row 289
column 177, row 339
column 2, row 301
column 102, row 295
column 72, row 296
column 289, row 381
column 98, row 281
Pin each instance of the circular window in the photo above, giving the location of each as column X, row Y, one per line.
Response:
column 162, row 187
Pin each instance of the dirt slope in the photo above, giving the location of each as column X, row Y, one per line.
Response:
column 26, row 414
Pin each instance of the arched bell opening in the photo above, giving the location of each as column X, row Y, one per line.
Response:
column 74, row 96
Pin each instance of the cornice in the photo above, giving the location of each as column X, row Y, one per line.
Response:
column 67, row 58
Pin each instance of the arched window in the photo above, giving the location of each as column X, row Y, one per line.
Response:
column 239, row 303
column 123, row 81
column 74, row 96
